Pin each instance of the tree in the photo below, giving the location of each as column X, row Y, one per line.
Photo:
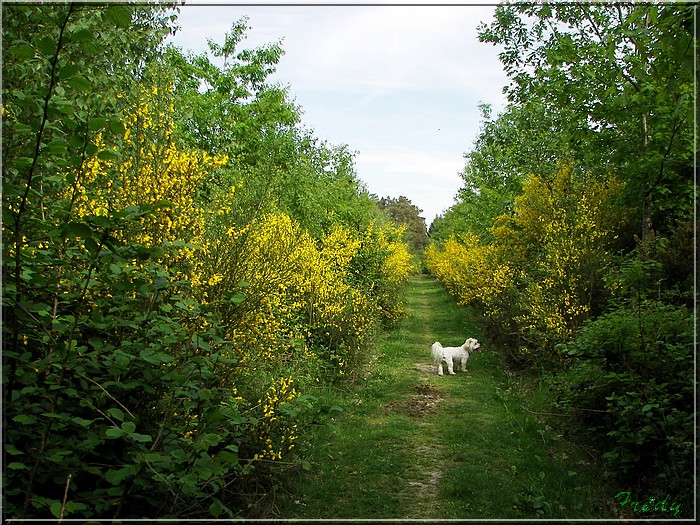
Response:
column 625, row 71
column 403, row 212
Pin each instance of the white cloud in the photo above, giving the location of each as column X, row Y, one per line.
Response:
column 429, row 178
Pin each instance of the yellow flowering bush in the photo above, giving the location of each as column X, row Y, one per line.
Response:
column 543, row 270
column 272, row 442
column 380, row 267
column 149, row 170
column 472, row 272
column 298, row 307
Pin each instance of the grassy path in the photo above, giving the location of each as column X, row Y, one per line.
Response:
column 409, row 444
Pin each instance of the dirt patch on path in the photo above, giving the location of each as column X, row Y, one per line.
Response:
column 422, row 403
column 426, row 368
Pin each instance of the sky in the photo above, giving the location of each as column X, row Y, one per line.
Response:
column 398, row 84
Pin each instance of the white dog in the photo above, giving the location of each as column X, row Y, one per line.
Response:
column 454, row 353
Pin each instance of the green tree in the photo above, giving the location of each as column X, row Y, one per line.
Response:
column 404, row 212
column 625, row 71
column 228, row 106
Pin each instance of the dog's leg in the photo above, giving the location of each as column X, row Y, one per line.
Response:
column 440, row 368
column 464, row 364
column 450, row 365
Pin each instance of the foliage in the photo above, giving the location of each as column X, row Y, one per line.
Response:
column 541, row 276
column 617, row 79
column 578, row 199
column 634, row 392
column 164, row 328
column 403, row 212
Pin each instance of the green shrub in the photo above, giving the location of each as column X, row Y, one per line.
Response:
column 634, row 392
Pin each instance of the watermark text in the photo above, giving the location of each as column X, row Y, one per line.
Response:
column 651, row 504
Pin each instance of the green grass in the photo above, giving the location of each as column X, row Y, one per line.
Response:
column 409, row 444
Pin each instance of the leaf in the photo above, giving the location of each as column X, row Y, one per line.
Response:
column 116, row 126
column 55, row 508
column 143, row 438
column 82, row 422
column 81, row 35
column 22, row 52
column 91, row 245
column 16, row 465
column 128, row 427
column 154, row 358
column 119, row 14
column 76, row 229
column 46, row 46
column 24, row 419
column 114, row 432
column 228, row 457
column 90, row 47
column 116, row 413
column 95, row 124
column 12, row 450
column 107, row 154
column 80, row 84
column 115, row 477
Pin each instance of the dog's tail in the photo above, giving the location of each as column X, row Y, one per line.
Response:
column 436, row 351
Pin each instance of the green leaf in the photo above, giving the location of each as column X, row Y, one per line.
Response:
column 143, row 438
column 82, row 422
column 76, row 229
column 91, row 245
column 55, row 508
column 95, row 124
column 46, row 46
column 116, row 127
column 107, row 154
column 24, row 419
column 114, row 432
column 80, row 84
column 215, row 509
column 228, row 457
column 16, row 465
column 22, row 52
column 75, row 141
column 115, row 477
column 81, row 35
column 116, row 413
column 120, row 15
column 12, row 450
column 128, row 427
column 154, row 358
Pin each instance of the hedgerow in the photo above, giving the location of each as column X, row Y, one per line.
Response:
column 561, row 302
column 164, row 330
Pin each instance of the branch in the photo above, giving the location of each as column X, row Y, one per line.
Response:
column 105, row 391
column 625, row 75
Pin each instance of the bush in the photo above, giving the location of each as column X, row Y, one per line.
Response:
column 161, row 355
column 635, row 398
column 542, row 276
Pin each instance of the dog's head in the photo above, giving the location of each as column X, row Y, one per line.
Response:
column 472, row 345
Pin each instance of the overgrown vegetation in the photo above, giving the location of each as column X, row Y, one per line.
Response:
column 470, row 446
column 183, row 264
column 573, row 232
